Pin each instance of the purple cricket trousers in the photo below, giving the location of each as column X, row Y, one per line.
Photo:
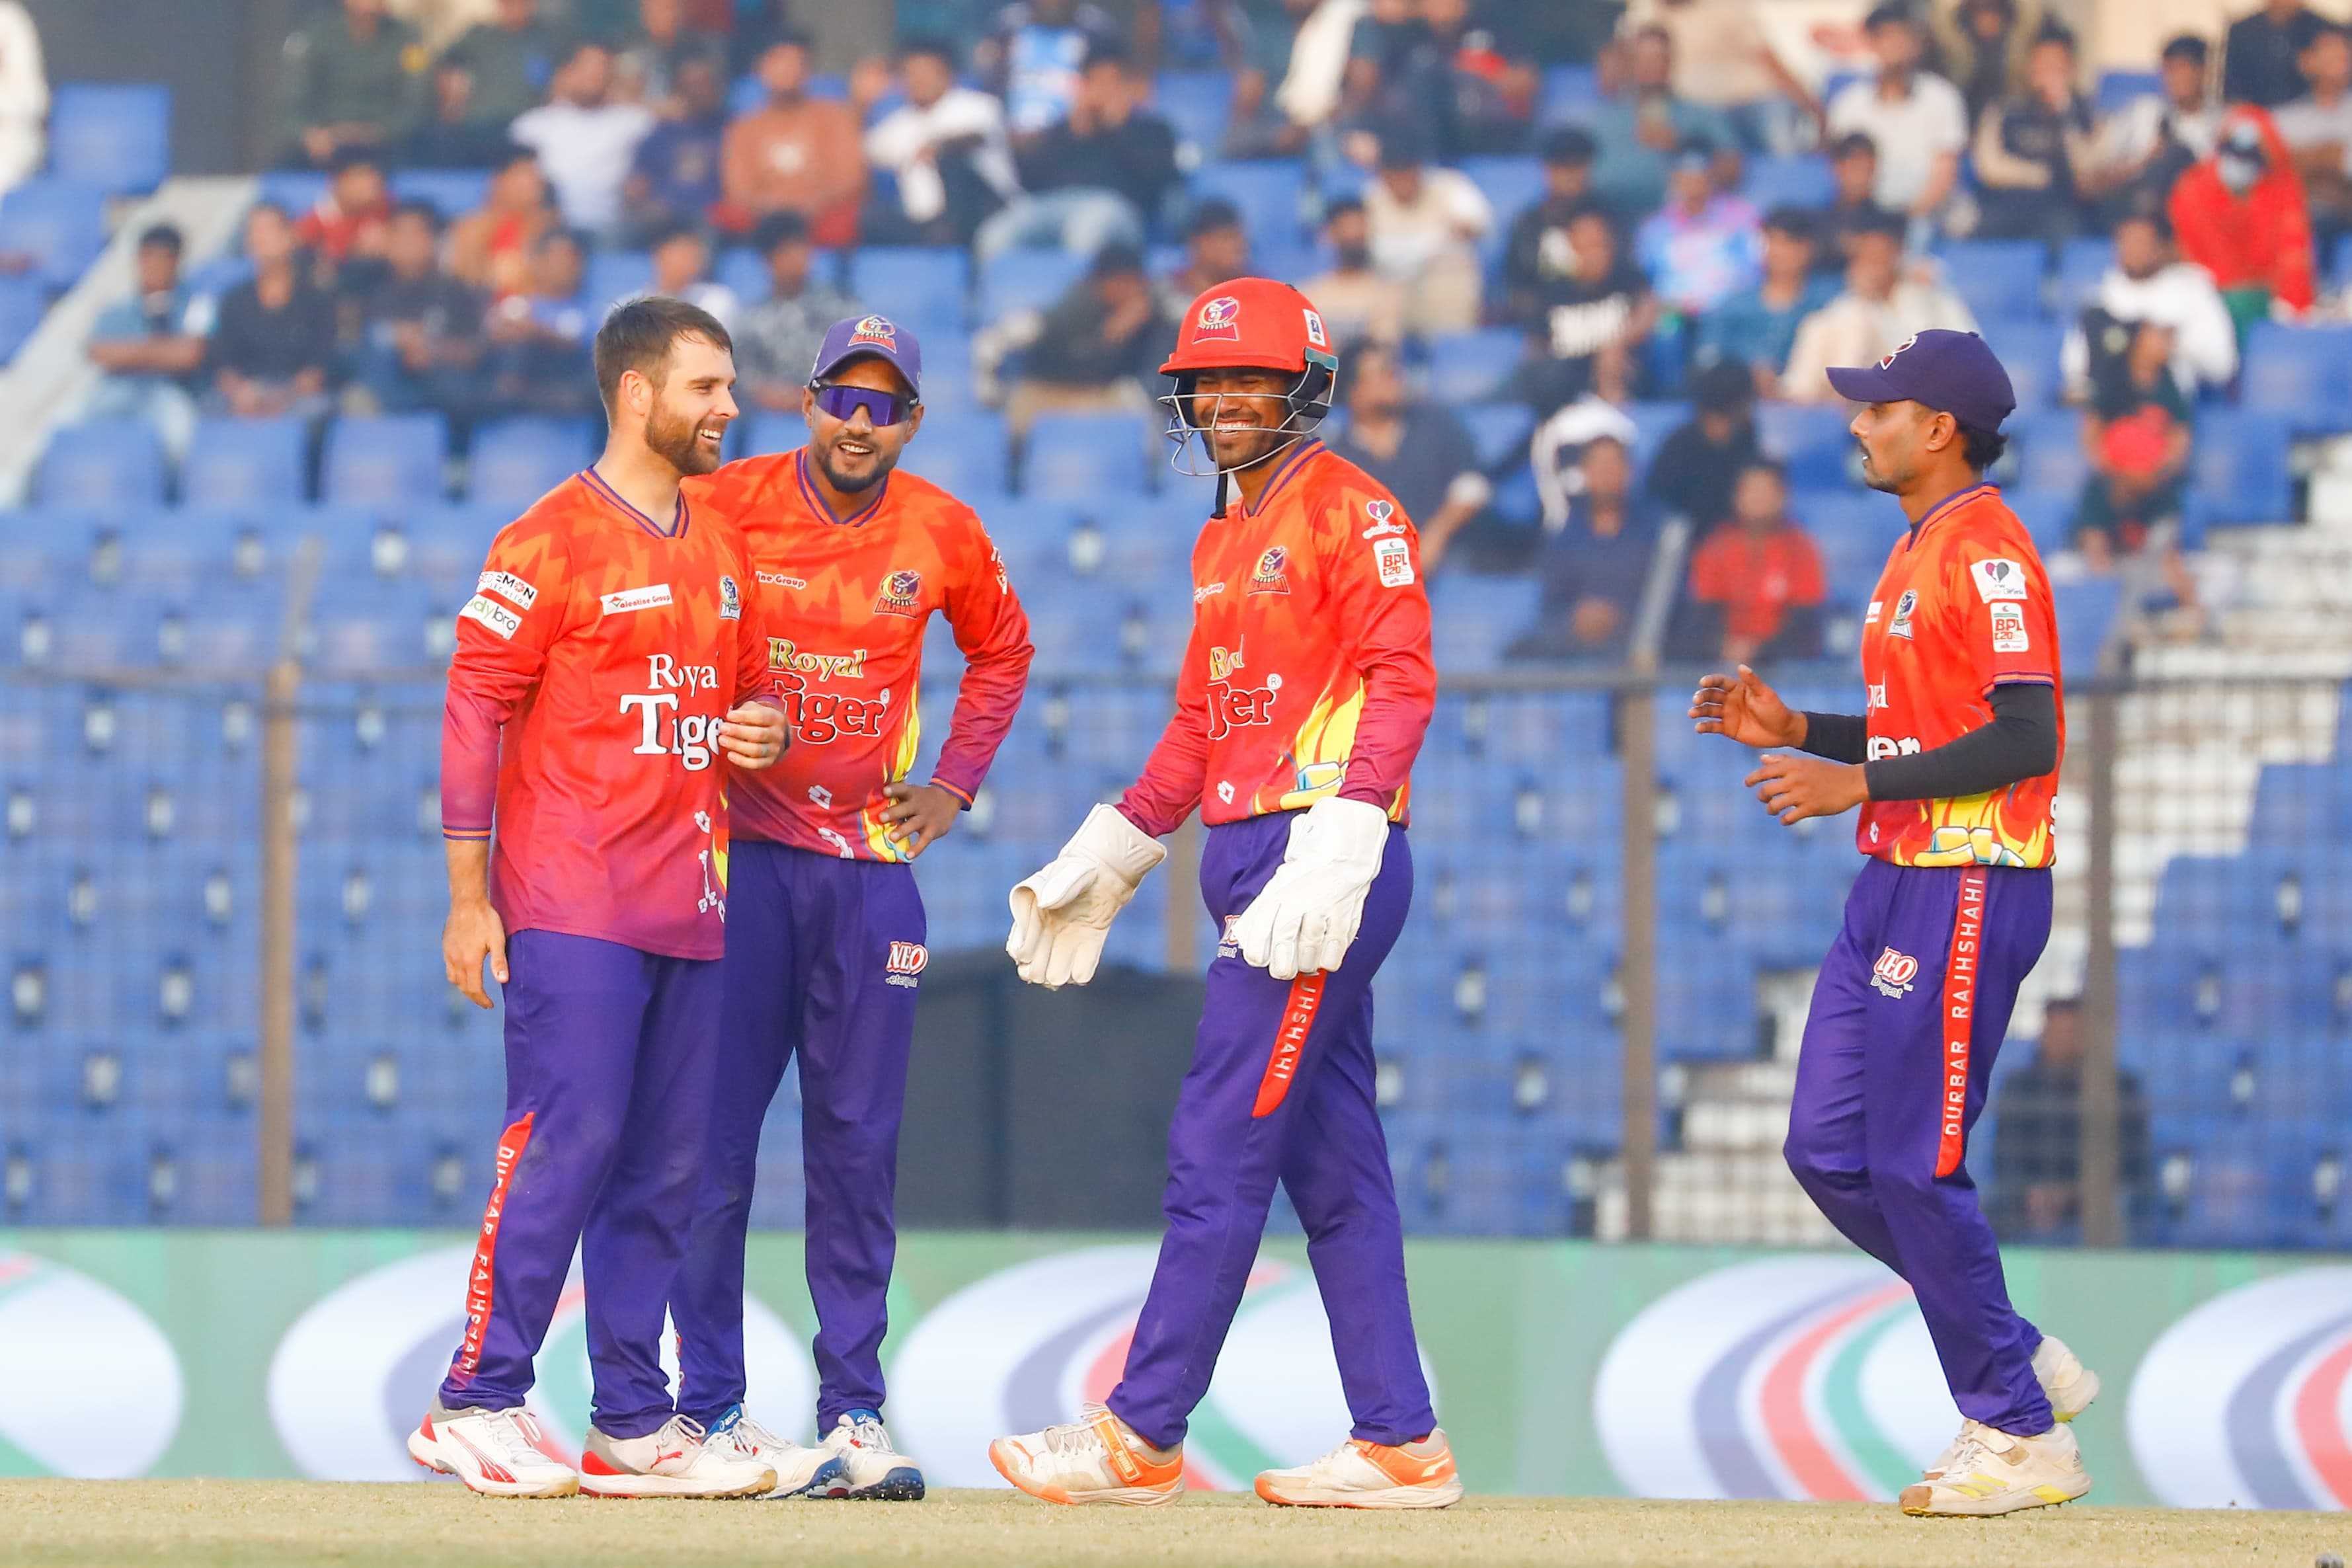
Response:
column 1908, row 1012
column 609, row 1059
column 822, row 957
column 1280, row 1089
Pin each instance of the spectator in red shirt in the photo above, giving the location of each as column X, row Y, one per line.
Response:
column 354, row 218
column 1756, row 584
column 2240, row 216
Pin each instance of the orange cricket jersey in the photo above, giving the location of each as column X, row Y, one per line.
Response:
column 845, row 601
column 1310, row 673
column 1963, row 606
column 594, row 664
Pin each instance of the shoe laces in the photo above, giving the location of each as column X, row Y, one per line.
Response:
column 1076, row 1439
column 515, row 1434
column 1970, row 1450
column 752, row 1438
column 867, row 1432
column 683, row 1431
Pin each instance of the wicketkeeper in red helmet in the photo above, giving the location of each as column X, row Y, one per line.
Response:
column 1303, row 699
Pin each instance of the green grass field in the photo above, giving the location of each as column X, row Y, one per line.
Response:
column 271, row 1522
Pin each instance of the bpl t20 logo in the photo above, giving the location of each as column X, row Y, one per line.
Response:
column 691, row 738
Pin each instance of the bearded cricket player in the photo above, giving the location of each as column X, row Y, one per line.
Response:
column 1302, row 703
column 825, row 948
column 603, row 688
column 1955, row 766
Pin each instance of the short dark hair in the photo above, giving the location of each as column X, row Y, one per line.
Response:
column 562, row 236
column 1982, row 448
column 640, row 334
column 1724, row 387
column 510, row 154
column 2055, row 32
column 425, row 211
column 1852, row 145
column 1795, row 222
column 1570, row 146
column 267, row 205
column 785, row 227
column 1891, row 224
column 1889, row 17
column 930, row 44
column 1772, row 466
column 2186, row 47
column 1211, row 216
column 354, row 155
column 163, row 237
column 1339, row 204
column 674, row 230
column 2156, row 218
column 1107, row 53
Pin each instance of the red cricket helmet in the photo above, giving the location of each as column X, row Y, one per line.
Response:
column 1259, row 323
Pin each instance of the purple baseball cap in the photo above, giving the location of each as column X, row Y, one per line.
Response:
column 1953, row 373
column 877, row 335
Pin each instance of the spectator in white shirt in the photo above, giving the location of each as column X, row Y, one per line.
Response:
column 1916, row 118
column 946, row 145
column 2317, row 129
column 2144, row 147
column 586, row 138
column 2150, row 282
column 1881, row 305
column 1722, row 60
column 24, row 96
column 1425, row 223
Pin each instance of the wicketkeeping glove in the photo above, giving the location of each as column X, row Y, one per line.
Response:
column 1303, row 918
column 1061, row 915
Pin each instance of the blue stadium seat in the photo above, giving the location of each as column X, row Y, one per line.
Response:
column 744, row 272
column 244, row 465
column 296, row 190
column 962, row 454
column 1197, row 104
column 59, row 224
column 2118, row 88
column 2029, row 348
column 925, row 287
column 1855, row 529
column 1512, row 186
column 2303, row 374
column 385, row 462
column 2049, row 449
column 117, row 137
column 1997, row 277
column 1812, row 438
column 2238, row 467
column 515, row 461
column 1268, row 194
column 1473, row 617
column 24, row 301
column 2048, row 516
column 1571, row 92
column 2080, row 265
column 1079, row 457
column 613, row 276
column 2086, row 614
column 1803, row 181
column 1471, row 367
column 452, row 193
column 102, row 465
column 1027, row 280
column 1653, row 423
column 1500, row 430
column 767, row 432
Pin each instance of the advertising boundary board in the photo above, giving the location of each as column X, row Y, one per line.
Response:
column 1559, row 1367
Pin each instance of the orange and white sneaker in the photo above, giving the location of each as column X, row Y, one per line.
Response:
column 676, row 1461
column 1097, row 1458
column 499, row 1453
column 1358, row 1474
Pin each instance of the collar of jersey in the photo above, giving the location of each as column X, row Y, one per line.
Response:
column 1950, row 504
column 1284, row 472
column 595, row 481
column 823, row 508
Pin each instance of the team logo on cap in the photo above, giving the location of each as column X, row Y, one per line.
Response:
column 1888, row 361
column 876, row 330
column 1220, row 317
column 1272, row 575
column 899, row 594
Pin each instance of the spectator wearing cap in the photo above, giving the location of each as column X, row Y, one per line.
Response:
column 1602, row 303
column 2239, row 214
column 586, row 138
column 1916, row 121
column 1704, row 245
column 1638, row 130
column 1358, row 301
column 1985, row 47
column 674, row 173
column 351, row 78
column 450, row 135
column 777, row 340
column 1216, row 250
column 1418, row 450
column 794, row 152
column 1092, row 350
column 1425, row 222
column 1853, row 168
column 490, row 247
column 2033, row 147
column 2146, row 145
column 1537, row 250
column 2262, row 60
column 1100, row 176
column 151, row 345
column 539, row 356
column 512, row 59
column 1596, row 562
column 2149, row 283
column 1756, row 586
column 273, row 345
column 1556, row 450
column 1035, row 54
column 2317, row 129
column 946, row 149
column 419, row 329
column 1722, row 61
column 1698, row 463
column 1758, row 326
column 681, row 259
column 1883, row 304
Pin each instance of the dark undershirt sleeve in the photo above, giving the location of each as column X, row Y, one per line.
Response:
column 2021, row 742
column 1840, row 737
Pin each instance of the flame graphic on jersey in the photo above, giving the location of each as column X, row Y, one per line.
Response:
column 1320, row 749
column 902, row 762
column 1978, row 830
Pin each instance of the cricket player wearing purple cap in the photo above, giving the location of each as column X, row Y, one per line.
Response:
column 825, row 944
column 1954, row 762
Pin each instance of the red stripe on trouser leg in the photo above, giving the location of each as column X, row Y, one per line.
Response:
column 1960, row 1008
column 511, row 1143
column 1297, row 1018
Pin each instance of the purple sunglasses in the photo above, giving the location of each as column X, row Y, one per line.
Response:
column 883, row 408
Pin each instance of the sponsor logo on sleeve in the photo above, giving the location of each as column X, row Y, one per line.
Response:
column 1893, row 973
column 1385, row 519
column 1900, row 626
column 1870, row 616
column 779, row 580
column 731, row 599
column 1998, row 579
column 491, row 614
column 2009, row 629
column 1273, row 572
column 906, row 962
column 1394, row 558
column 509, row 587
column 1206, row 591
column 901, row 594
column 630, row 599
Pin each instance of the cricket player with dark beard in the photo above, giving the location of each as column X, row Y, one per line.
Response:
column 1954, row 762
column 1302, row 703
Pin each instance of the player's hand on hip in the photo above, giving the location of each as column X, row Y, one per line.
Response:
column 753, row 736
column 472, row 933
column 1743, row 708
column 1062, row 915
column 1306, row 917
column 919, row 814
column 1793, row 788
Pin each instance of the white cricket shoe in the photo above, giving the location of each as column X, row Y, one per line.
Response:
column 869, row 1467
column 1097, row 1458
column 800, row 1472
column 1358, row 1474
column 2067, row 1382
column 676, row 1461
column 1999, row 1472
column 495, row 1452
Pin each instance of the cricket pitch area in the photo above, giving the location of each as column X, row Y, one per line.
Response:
column 206, row 1522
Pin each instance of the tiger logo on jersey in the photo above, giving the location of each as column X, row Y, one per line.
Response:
column 1272, row 574
column 901, row 594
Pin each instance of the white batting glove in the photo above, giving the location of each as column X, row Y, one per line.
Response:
column 1062, row 915
column 1305, row 918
